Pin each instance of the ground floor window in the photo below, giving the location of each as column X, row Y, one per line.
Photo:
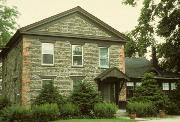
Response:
column 46, row 82
column 165, row 86
column 130, row 89
column 138, row 83
column 173, row 86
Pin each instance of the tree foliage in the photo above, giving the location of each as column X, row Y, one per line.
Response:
column 157, row 19
column 8, row 17
column 150, row 91
column 85, row 96
column 49, row 94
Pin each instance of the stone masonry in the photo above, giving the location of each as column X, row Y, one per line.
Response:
column 23, row 71
column 62, row 71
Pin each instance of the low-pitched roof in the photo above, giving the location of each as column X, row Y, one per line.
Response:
column 136, row 67
column 27, row 30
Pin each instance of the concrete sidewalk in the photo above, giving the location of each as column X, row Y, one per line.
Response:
column 167, row 119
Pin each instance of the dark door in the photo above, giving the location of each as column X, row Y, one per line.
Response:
column 108, row 92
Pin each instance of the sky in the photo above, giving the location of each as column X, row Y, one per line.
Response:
column 113, row 12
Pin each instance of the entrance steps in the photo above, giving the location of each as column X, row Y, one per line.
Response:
column 121, row 113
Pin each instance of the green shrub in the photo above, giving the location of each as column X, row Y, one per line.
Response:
column 85, row 96
column 142, row 109
column 45, row 112
column 16, row 113
column 69, row 110
column 150, row 91
column 49, row 94
column 4, row 102
column 105, row 110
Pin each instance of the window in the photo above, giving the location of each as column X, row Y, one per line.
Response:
column 77, row 55
column 47, row 54
column 165, row 86
column 130, row 83
column 138, row 83
column 173, row 86
column 130, row 89
column 46, row 82
column 103, row 57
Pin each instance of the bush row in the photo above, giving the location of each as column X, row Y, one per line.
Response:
column 49, row 112
column 38, row 113
column 142, row 109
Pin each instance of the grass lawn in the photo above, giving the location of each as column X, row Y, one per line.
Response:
column 96, row 120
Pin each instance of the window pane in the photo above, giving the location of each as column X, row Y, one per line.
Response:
column 104, row 62
column 47, row 48
column 104, row 57
column 165, row 86
column 77, row 49
column 138, row 83
column 77, row 60
column 130, row 83
column 46, row 82
column 173, row 86
column 47, row 59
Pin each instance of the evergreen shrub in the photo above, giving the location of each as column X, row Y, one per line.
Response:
column 85, row 96
column 105, row 110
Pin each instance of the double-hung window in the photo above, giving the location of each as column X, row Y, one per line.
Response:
column 103, row 57
column 47, row 54
column 77, row 55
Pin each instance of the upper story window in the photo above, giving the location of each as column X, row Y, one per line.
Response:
column 47, row 54
column 77, row 55
column 165, row 86
column 103, row 57
column 173, row 86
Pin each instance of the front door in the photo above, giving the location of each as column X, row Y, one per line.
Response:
column 108, row 92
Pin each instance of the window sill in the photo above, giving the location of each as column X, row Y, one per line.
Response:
column 103, row 67
column 77, row 66
column 47, row 65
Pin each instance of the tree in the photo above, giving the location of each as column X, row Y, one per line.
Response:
column 158, row 19
column 49, row 94
column 150, row 91
column 8, row 17
column 85, row 96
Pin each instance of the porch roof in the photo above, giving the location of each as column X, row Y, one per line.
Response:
column 112, row 72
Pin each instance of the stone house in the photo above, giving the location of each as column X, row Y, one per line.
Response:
column 66, row 48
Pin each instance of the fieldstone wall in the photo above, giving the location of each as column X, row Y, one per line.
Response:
column 12, row 70
column 74, row 24
column 62, row 72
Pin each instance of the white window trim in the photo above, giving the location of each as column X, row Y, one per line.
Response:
column 100, row 56
column 77, row 55
column 42, row 56
column 165, row 88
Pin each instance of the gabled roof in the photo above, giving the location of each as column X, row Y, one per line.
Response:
column 136, row 67
column 111, row 72
column 68, row 12
column 27, row 30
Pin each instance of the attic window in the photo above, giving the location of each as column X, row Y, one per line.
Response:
column 47, row 54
